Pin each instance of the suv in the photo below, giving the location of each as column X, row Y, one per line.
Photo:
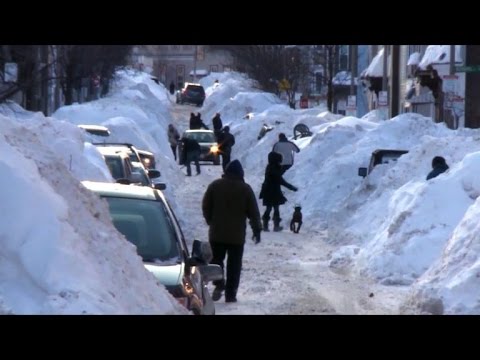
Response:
column 145, row 218
column 381, row 156
column 191, row 93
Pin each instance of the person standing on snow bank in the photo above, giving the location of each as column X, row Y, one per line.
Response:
column 286, row 149
column 439, row 166
column 271, row 192
column 172, row 88
column 226, row 205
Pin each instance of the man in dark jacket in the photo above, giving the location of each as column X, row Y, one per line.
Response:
column 271, row 192
column 217, row 125
column 226, row 205
column 191, row 152
column 225, row 143
column 439, row 166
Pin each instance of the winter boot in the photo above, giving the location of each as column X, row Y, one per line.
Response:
column 276, row 225
column 265, row 224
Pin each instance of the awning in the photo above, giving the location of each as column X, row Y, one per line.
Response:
column 439, row 54
column 343, row 78
column 375, row 69
column 414, row 59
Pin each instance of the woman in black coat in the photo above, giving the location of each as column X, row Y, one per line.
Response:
column 271, row 192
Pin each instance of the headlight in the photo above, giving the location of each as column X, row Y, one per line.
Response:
column 214, row 149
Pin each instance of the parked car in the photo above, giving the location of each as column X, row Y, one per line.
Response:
column 148, row 159
column 191, row 93
column 208, row 145
column 145, row 218
column 381, row 156
column 138, row 157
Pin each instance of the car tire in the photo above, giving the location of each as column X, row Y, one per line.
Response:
column 216, row 161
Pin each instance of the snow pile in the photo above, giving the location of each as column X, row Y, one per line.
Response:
column 61, row 254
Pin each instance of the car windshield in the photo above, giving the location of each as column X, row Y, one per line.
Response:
column 202, row 137
column 196, row 89
column 114, row 163
column 147, row 225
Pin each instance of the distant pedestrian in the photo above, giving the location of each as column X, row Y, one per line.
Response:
column 226, row 205
column 225, row 143
column 191, row 152
column 286, row 149
column 271, row 192
column 217, row 125
column 172, row 87
column 173, row 137
column 439, row 166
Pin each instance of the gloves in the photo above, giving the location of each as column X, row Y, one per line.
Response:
column 256, row 237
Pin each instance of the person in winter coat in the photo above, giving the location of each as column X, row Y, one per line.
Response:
column 172, row 88
column 271, row 192
column 439, row 166
column 226, row 205
column 196, row 122
column 217, row 125
column 286, row 149
column 225, row 140
column 191, row 152
column 173, row 137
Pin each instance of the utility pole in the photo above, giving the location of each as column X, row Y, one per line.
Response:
column 195, row 65
column 395, row 83
column 385, row 67
column 452, row 59
column 353, row 67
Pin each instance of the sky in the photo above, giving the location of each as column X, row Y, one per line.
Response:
column 390, row 243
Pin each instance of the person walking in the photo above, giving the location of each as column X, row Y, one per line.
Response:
column 173, row 137
column 191, row 152
column 217, row 125
column 172, row 87
column 225, row 140
column 271, row 192
column 226, row 205
column 286, row 149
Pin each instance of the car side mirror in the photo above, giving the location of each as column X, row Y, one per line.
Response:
column 160, row 186
column 362, row 171
column 211, row 272
column 153, row 173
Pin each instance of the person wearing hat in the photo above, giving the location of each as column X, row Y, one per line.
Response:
column 286, row 149
column 226, row 205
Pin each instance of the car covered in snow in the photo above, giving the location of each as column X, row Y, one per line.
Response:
column 381, row 156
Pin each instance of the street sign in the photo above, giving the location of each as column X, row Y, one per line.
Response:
column 469, row 68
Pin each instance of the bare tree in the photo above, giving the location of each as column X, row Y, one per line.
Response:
column 276, row 68
column 72, row 64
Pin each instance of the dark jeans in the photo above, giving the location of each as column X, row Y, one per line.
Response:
column 192, row 156
column 234, row 255
column 225, row 158
column 174, row 150
column 276, row 212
